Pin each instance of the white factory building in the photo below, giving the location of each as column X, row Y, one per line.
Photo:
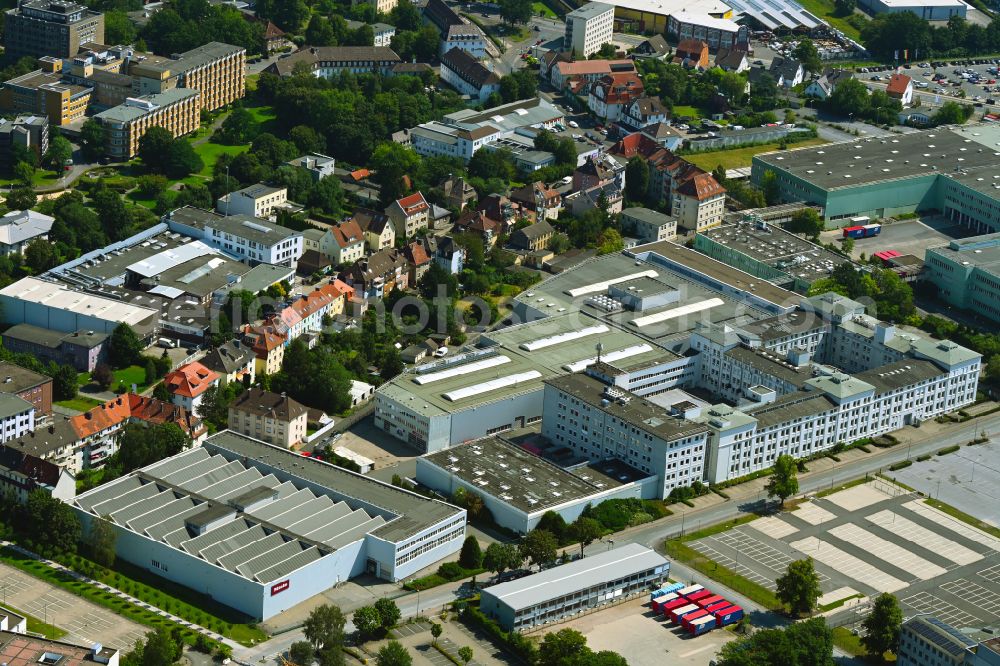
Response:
column 929, row 10
column 260, row 529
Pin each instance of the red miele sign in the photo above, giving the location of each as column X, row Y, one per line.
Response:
column 277, row 588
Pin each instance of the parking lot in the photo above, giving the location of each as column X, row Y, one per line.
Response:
column 904, row 236
column 968, row 479
column 934, row 92
column 876, row 537
column 644, row 640
column 85, row 622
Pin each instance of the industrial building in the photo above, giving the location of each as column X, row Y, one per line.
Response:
column 967, row 273
column 572, row 588
column 953, row 170
column 717, row 33
column 19, row 648
column 518, row 487
column 769, row 253
column 57, row 307
column 588, row 28
column 929, row 10
column 54, row 28
column 924, row 640
column 260, row 529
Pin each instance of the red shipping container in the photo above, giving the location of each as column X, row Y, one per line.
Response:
column 686, row 620
column 677, row 613
column 705, row 602
column 671, row 605
column 700, row 594
column 718, row 605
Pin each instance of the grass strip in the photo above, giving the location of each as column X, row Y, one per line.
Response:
column 680, row 551
column 964, row 517
column 848, row 642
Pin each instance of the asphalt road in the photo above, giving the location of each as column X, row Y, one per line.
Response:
column 654, row 534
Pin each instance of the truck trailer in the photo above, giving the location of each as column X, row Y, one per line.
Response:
column 676, row 614
column 702, row 625
column 729, row 615
column 690, row 617
column 659, row 602
column 691, row 589
column 862, row 231
column 705, row 602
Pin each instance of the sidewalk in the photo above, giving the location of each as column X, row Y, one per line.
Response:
column 121, row 595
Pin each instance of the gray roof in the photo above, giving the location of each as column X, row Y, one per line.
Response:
column 590, row 10
column 259, row 402
column 521, row 479
column 647, row 215
column 894, row 376
column 52, row 339
column 637, row 411
column 196, row 57
column 772, row 365
column 782, row 326
column 230, row 357
column 576, row 576
column 251, row 228
column 14, row 378
column 10, row 405
column 789, row 408
column 127, row 112
column 18, row 226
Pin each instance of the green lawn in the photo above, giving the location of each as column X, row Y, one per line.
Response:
column 825, row 9
column 740, row 157
column 79, row 403
column 41, row 178
column 134, row 374
column 689, row 111
column 848, row 642
column 209, row 153
column 542, row 10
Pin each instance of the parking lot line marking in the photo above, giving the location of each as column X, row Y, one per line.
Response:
column 925, row 602
column 933, row 541
column 991, row 574
column 814, row 514
column 859, row 570
column 887, row 551
column 689, row 653
column 977, row 595
column 956, row 526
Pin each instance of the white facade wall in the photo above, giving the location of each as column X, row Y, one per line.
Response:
column 282, row 253
column 588, row 35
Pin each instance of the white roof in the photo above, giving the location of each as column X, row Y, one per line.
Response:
column 54, row 295
column 18, row 226
column 576, row 576
column 900, row 4
column 155, row 264
column 677, row 8
column 707, row 21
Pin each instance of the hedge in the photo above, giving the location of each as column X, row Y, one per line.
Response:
column 948, row 449
column 900, row 465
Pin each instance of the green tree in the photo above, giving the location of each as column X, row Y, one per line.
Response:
column 850, row 97
column 807, row 54
column 101, row 542
column 882, row 626
column 214, row 407
column 391, row 162
column 301, row 653
column 806, row 643
column 319, row 32
column 783, row 482
column 516, row 11
column 140, row 445
column 845, row 7
column 465, row 654
column 324, row 627
column 21, row 198
column 388, row 613
column 586, row 531
column 436, row 631
column 92, row 138
column 161, row 649
column 124, row 346
column 47, row 525
column 40, row 256
column 807, row 221
column 798, row 588
column 951, row 113
column 64, row 386
column 471, row 556
column 500, row 557
column 539, row 547
column 118, row 28
column 103, row 376
column 771, row 188
column 154, row 146
column 566, row 646
column 393, row 654
column 367, row 621
column 60, row 150
column 554, row 524
column 181, row 160
column 636, row 179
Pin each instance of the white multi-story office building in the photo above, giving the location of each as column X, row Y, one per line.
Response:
column 588, row 28
column 246, row 238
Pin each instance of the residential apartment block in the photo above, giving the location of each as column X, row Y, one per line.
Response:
column 257, row 200
column 17, row 417
column 22, row 473
column 588, row 28
column 30, row 132
column 330, row 61
column 178, row 111
column 54, row 28
column 409, row 215
column 468, row 76
column 216, row 70
column 273, row 418
column 28, row 385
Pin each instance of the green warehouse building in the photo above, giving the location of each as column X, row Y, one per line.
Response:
column 953, row 170
column 967, row 273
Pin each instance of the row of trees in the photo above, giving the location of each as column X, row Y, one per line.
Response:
column 881, row 289
column 888, row 34
column 325, row 637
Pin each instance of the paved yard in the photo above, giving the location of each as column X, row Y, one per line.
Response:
column 876, row 538
column 86, row 623
column 631, row 630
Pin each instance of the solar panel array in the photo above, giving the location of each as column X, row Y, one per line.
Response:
column 775, row 14
column 291, row 528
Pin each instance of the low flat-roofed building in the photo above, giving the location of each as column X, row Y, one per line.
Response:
column 258, row 200
column 950, row 170
column 55, row 306
column 24, row 650
column 550, row 595
column 82, row 349
column 924, row 640
column 769, row 253
column 929, row 10
column 12, row 622
column 518, row 487
column 329, row 61
column 648, row 226
column 966, row 273
column 717, row 33
column 278, row 529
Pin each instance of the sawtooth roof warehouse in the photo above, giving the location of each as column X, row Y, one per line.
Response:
column 260, row 528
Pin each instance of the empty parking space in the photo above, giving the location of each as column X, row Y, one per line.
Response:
column 858, row 497
column 918, row 534
column 86, row 623
column 859, row 570
column 975, row 594
column 956, row 526
column 748, row 556
column 774, row 527
column 887, row 551
column 814, row 514
column 991, row 574
column 925, row 602
column 731, row 564
column 411, row 629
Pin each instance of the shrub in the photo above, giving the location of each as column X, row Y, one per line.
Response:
column 924, row 457
column 903, row 464
column 948, row 449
